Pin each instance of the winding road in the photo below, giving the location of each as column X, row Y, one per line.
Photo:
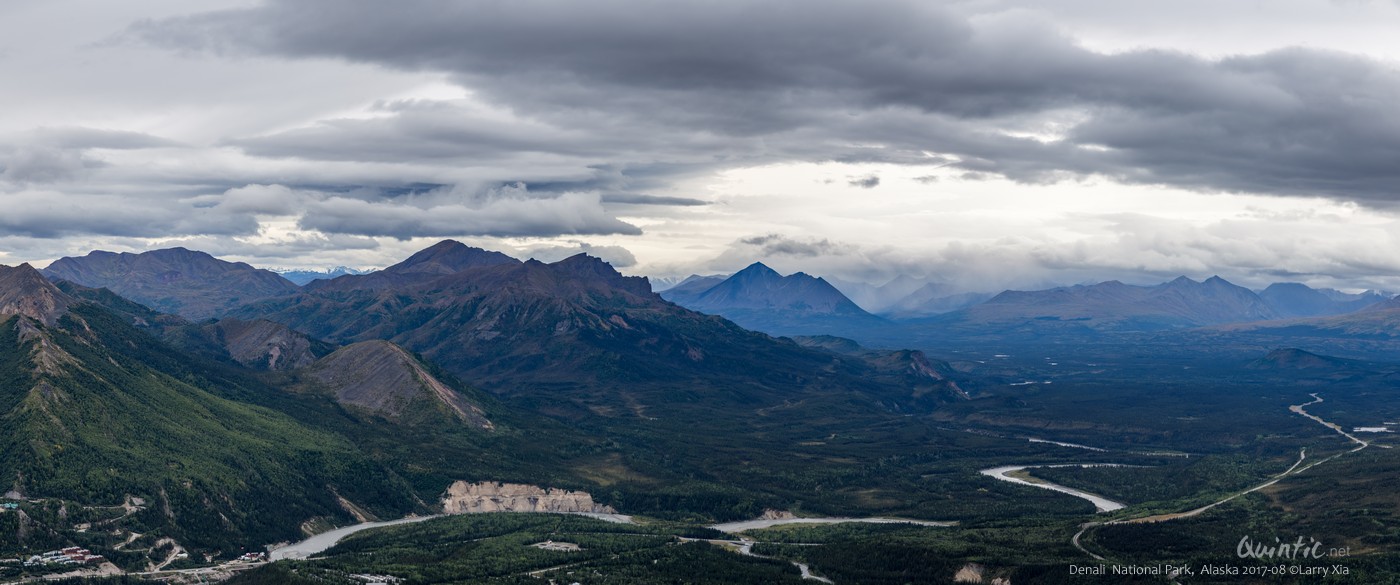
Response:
column 1298, row 467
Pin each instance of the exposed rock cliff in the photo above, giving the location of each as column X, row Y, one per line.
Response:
column 383, row 378
column 471, row 498
column 263, row 344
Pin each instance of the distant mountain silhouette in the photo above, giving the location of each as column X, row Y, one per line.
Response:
column 759, row 298
column 693, row 286
column 1292, row 299
column 191, row 284
column 933, row 299
column 1380, row 322
column 1114, row 306
column 878, row 299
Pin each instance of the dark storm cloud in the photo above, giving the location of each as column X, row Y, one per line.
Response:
column 869, row 182
column 728, row 83
column 780, row 245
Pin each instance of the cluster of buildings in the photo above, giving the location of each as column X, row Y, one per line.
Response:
column 8, row 506
column 253, row 557
column 68, row 556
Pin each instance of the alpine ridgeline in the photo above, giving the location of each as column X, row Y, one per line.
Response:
column 188, row 283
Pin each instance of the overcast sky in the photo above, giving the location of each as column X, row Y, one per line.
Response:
column 985, row 143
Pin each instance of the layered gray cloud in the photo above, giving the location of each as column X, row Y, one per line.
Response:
column 887, row 81
column 571, row 213
column 49, row 214
column 858, row 139
column 644, row 199
column 54, row 154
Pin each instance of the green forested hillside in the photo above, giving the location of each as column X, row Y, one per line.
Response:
column 94, row 410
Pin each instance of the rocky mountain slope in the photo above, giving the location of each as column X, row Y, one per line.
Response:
column 264, row 345
column 25, row 292
column 384, row 379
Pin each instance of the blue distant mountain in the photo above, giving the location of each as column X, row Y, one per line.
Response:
column 759, row 298
column 1114, row 306
column 1293, row 299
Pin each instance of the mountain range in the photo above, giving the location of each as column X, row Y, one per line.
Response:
column 366, row 396
column 1109, row 307
column 198, row 286
column 563, row 337
column 345, row 395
